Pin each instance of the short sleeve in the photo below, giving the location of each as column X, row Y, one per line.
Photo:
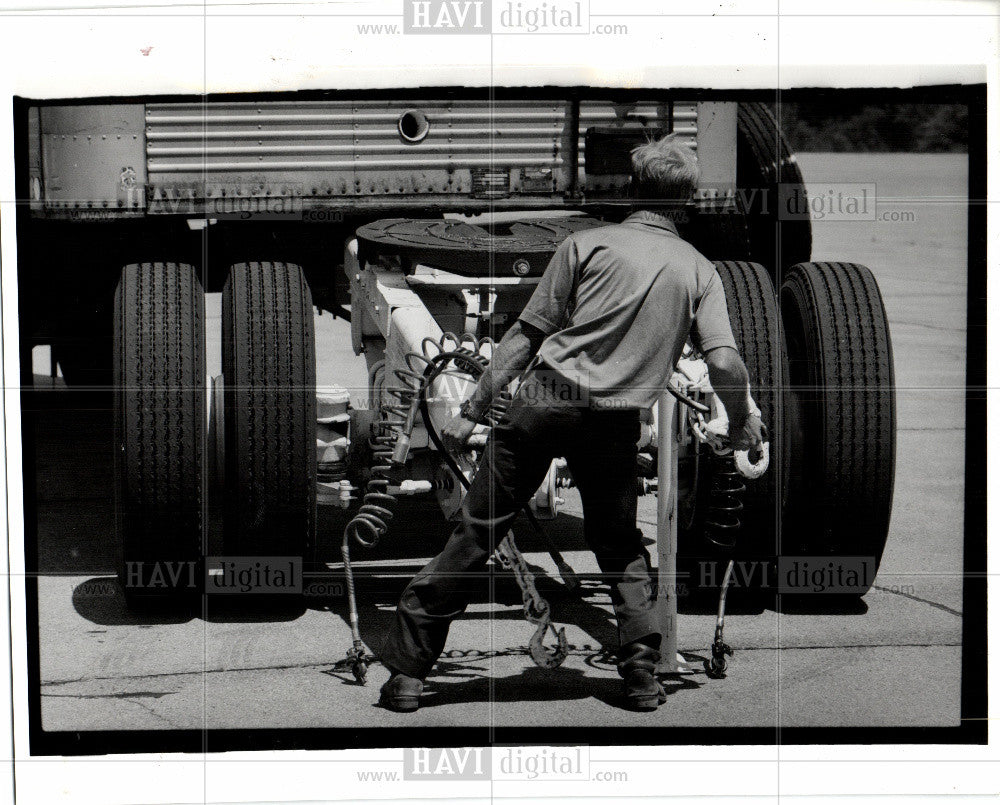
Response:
column 548, row 304
column 711, row 327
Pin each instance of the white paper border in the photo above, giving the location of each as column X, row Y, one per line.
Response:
column 82, row 50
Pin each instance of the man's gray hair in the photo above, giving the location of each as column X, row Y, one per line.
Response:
column 665, row 170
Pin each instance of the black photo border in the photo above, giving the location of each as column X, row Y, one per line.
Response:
column 972, row 728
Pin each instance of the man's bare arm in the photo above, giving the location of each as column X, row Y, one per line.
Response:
column 510, row 357
column 728, row 375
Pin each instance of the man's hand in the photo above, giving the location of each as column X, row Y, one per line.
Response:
column 456, row 433
column 749, row 437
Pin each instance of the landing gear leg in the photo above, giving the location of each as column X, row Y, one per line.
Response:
column 716, row 667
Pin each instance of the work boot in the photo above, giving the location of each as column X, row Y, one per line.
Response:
column 401, row 693
column 636, row 664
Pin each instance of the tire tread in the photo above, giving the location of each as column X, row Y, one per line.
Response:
column 159, row 412
column 269, row 369
column 849, row 379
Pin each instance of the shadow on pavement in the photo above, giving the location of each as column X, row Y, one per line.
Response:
column 378, row 594
column 534, row 684
column 101, row 601
column 820, row 604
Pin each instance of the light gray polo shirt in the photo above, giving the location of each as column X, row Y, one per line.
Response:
column 618, row 303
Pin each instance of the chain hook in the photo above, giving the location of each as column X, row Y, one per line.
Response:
column 542, row 655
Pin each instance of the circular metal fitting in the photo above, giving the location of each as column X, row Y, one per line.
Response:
column 413, row 125
column 521, row 267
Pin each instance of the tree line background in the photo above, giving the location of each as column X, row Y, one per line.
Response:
column 832, row 125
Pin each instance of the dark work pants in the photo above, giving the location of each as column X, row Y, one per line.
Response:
column 600, row 448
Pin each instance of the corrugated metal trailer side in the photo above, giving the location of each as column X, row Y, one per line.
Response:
column 172, row 157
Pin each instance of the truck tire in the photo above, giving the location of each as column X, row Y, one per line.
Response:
column 269, row 368
column 753, row 313
column 159, row 429
column 717, row 234
column 844, row 454
column 768, row 177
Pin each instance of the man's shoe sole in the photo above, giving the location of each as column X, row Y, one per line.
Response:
column 646, row 703
column 399, row 705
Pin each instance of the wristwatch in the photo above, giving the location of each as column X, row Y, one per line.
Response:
column 465, row 411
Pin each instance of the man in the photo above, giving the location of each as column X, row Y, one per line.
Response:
column 605, row 326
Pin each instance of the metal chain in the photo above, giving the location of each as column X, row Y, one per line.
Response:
column 536, row 608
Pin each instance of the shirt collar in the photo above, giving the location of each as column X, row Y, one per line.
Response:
column 653, row 219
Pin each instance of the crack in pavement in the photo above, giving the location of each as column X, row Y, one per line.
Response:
column 199, row 672
column 152, row 712
column 131, row 698
column 935, row 604
column 139, row 694
column 856, row 645
column 518, row 653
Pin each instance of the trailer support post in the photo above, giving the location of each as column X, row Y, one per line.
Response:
column 666, row 534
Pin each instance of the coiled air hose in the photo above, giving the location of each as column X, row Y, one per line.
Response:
column 723, row 518
column 390, row 446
